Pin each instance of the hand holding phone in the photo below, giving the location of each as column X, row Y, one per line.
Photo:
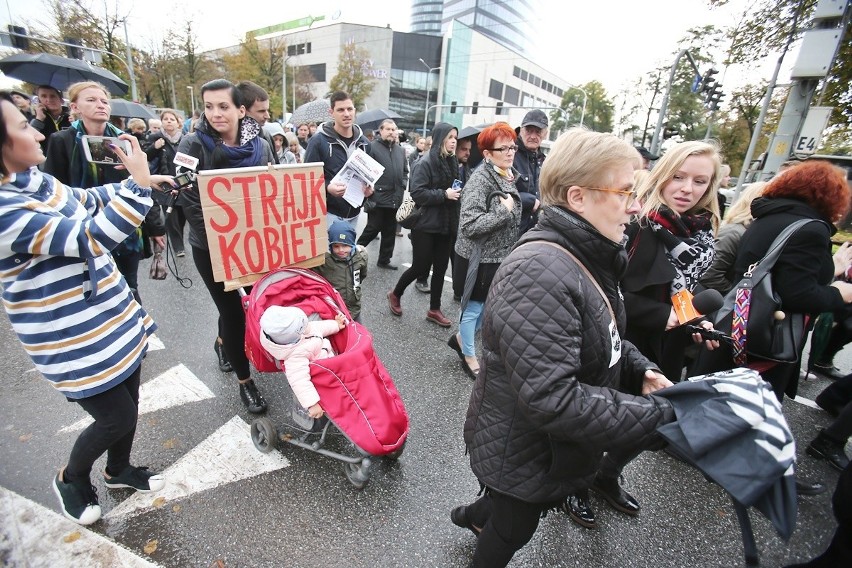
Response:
column 99, row 149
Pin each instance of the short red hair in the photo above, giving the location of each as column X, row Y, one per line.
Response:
column 490, row 134
column 816, row 182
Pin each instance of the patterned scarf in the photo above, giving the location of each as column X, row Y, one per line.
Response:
column 689, row 244
column 248, row 153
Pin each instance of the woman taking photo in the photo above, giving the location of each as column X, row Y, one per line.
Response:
column 161, row 149
column 558, row 387
column 490, row 217
column 79, row 323
column 670, row 247
column 66, row 161
column 431, row 187
column 223, row 138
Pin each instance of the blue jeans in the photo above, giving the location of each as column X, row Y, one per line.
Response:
column 331, row 218
column 470, row 322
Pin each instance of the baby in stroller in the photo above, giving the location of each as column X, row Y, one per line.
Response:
column 292, row 339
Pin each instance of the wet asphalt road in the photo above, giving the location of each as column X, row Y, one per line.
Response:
column 307, row 514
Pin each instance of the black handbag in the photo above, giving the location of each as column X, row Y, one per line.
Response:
column 752, row 313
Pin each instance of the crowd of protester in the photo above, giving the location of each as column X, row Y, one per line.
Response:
column 540, row 246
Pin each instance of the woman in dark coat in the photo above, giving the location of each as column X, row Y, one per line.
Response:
column 670, row 247
column 432, row 189
column 161, row 148
column 223, row 138
column 552, row 395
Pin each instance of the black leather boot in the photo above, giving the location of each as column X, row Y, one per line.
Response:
column 224, row 364
column 252, row 398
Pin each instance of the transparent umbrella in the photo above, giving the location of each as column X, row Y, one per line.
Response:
column 317, row 111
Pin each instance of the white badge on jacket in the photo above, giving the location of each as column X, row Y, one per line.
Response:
column 615, row 342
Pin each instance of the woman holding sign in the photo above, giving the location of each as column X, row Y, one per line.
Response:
column 223, row 138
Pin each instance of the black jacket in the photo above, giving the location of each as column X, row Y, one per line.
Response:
column 549, row 400
column 390, row 188
column 647, row 297
column 65, row 163
column 433, row 175
column 802, row 275
column 189, row 198
column 48, row 126
column 528, row 165
column 328, row 147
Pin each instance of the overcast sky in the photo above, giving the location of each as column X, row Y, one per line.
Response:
column 612, row 41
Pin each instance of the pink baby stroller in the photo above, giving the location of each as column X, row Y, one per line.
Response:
column 356, row 392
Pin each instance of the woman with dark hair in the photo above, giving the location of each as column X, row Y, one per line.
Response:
column 66, row 161
column 431, row 188
column 78, row 322
column 223, row 138
column 161, row 148
column 488, row 228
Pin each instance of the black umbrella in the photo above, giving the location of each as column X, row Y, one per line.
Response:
column 469, row 131
column 730, row 426
column 59, row 72
column 370, row 119
column 129, row 109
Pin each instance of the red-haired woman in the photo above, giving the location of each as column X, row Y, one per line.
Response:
column 804, row 272
column 488, row 228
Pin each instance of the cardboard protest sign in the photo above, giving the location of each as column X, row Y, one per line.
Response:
column 262, row 218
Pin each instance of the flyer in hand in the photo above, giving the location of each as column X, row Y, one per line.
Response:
column 359, row 169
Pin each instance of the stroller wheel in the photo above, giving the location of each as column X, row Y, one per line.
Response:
column 264, row 435
column 358, row 474
column 395, row 455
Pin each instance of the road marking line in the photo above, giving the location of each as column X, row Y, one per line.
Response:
column 175, row 387
column 154, row 343
column 806, row 402
column 226, row 456
column 408, row 265
column 32, row 535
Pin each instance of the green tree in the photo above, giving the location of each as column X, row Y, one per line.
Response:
column 597, row 114
column 767, row 26
column 353, row 67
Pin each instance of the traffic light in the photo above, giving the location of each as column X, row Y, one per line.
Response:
column 500, row 107
column 453, row 107
column 17, row 41
column 713, row 97
column 475, row 108
column 707, row 81
column 71, row 51
column 668, row 131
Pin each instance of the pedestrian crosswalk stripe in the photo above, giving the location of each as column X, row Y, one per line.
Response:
column 32, row 535
column 175, row 387
column 226, row 456
column 154, row 343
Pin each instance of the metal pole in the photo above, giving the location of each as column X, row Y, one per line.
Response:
column 585, row 96
column 191, row 98
column 429, row 76
column 284, row 88
column 655, row 141
column 133, row 92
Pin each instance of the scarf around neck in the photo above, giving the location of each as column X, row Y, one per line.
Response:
column 250, row 149
column 689, row 244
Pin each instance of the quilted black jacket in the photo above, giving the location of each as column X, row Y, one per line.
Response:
column 548, row 403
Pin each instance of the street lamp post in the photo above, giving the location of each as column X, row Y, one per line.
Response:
column 191, row 98
column 426, row 109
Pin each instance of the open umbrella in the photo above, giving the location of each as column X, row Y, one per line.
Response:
column 468, row 131
column 317, row 111
column 59, row 72
column 129, row 109
column 370, row 119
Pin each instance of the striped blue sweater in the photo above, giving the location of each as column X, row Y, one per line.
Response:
column 65, row 298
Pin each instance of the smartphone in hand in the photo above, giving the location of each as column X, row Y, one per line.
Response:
column 98, row 150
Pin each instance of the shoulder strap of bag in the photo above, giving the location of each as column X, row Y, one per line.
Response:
column 738, row 299
column 582, row 267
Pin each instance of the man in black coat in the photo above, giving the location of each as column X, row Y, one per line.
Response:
column 528, row 161
column 382, row 205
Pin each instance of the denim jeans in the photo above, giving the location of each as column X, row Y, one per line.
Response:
column 470, row 322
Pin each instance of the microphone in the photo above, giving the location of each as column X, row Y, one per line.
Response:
column 707, row 302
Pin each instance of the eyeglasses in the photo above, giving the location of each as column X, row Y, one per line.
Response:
column 504, row 149
column 630, row 194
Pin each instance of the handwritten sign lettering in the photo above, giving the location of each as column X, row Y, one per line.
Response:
column 261, row 219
